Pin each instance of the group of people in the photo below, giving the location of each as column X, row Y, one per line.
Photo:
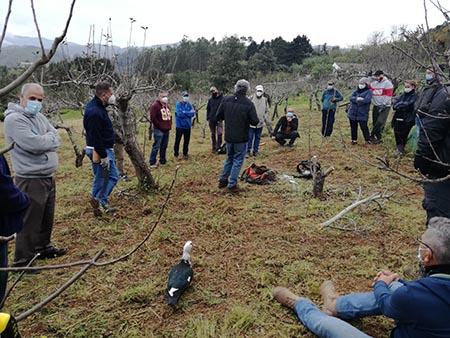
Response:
column 28, row 201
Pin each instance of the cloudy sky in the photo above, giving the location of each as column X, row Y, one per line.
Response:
column 344, row 23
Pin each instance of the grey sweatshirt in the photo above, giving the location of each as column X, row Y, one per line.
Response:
column 36, row 141
column 262, row 110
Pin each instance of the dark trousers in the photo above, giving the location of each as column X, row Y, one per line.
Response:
column 186, row 134
column 437, row 199
column 354, row 129
column 161, row 140
column 38, row 220
column 401, row 132
column 3, row 264
column 281, row 137
column 216, row 130
column 379, row 117
column 327, row 121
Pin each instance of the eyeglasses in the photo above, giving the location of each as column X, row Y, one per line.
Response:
column 420, row 242
column 33, row 98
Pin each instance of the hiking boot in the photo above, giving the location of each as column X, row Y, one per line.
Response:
column 51, row 252
column 329, row 296
column 234, row 190
column 95, row 206
column 285, row 297
column 223, row 184
column 23, row 264
column 107, row 209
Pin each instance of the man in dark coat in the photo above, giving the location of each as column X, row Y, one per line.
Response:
column 239, row 113
column 13, row 206
column 433, row 154
column 215, row 126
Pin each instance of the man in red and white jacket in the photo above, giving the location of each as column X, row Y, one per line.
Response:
column 382, row 92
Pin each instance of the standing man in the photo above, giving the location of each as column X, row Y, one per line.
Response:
column 215, row 126
column 100, row 148
column 35, row 161
column 329, row 98
column 14, row 204
column 433, row 154
column 184, row 112
column 286, row 129
column 161, row 119
column 239, row 113
column 262, row 110
column 382, row 92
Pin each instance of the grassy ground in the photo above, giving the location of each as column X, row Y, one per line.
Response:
column 243, row 245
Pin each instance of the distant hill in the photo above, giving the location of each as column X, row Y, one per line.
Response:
column 17, row 50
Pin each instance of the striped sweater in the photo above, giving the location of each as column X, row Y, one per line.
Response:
column 382, row 92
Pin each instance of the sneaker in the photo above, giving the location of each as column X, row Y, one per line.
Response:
column 354, row 142
column 107, row 209
column 329, row 296
column 223, row 184
column 153, row 166
column 95, row 206
column 185, row 157
column 51, row 252
column 285, row 297
column 23, row 264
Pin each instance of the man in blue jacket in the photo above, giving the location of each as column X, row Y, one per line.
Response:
column 329, row 99
column 420, row 308
column 13, row 206
column 100, row 148
column 183, row 117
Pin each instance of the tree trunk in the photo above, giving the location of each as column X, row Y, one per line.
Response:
column 128, row 132
column 318, row 177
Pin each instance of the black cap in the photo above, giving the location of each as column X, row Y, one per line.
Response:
column 185, row 93
column 378, row 73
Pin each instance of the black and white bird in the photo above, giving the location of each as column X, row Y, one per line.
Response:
column 180, row 276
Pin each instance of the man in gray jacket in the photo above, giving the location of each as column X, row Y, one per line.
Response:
column 34, row 161
column 262, row 110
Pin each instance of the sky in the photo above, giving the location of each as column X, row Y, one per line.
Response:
column 344, row 23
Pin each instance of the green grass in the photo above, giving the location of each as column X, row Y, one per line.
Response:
column 243, row 245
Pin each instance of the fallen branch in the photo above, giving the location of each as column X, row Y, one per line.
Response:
column 60, row 290
column 356, row 204
column 112, row 261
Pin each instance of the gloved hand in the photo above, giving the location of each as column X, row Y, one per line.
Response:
column 359, row 99
column 104, row 162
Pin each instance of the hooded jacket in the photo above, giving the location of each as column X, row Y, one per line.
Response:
column 282, row 125
column 404, row 107
column 434, row 138
column 13, row 202
column 359, row 109
column 184, row 112
column 239, row 113
column 330, row 95
column 36, row 141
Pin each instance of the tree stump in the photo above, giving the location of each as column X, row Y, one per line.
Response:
column 318, row 177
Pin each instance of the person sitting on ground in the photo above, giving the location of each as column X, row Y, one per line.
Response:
column 358, row 111
column 404, row 116
column 329, row 99
column 420, row 308
column 286, row 129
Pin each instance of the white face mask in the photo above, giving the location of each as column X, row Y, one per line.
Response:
column 186, row 98
column 164, row 99
column 408, row 90
column 329, row 87
column 259, row 94
column 112, row 99
column 361, row 86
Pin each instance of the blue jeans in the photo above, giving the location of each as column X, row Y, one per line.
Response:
column 254, row 138
column 351, row 306
column 160, row 144
column 233, row 164
column 102, row 185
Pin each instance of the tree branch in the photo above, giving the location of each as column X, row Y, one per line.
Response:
column 60, row 290
column 7, row 148
column 42, row 61
column 5, row 25
column 37, row 28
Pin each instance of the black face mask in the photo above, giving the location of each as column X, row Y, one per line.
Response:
column 214, row 94
column 426, row 271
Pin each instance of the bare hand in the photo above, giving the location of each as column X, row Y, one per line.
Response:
column 386, row 276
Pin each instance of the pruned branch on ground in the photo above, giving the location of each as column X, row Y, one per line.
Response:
column 372, row 198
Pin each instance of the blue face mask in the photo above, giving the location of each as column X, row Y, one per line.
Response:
column 33, row 107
